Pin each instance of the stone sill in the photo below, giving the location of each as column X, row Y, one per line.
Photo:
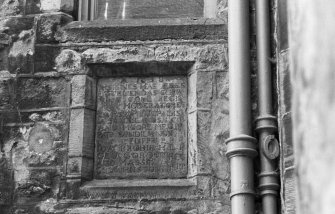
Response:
column 144, row 29
column 116, row 183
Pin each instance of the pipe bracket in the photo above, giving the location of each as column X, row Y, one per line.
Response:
column 243, row 192
column 242, row 137
column 268, row 174
column 241, row 152
column 270, row 147
column 266, row 122
column 244, row 145
column 269, row 188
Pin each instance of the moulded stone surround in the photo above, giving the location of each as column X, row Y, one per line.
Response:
column 200, row 92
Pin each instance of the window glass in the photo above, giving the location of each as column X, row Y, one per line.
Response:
column 149, row 9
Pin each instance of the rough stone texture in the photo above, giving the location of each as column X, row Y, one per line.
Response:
column 48, row 85
column 25, row 7
column 18, row 39
column 47, row 26
column 312, row 56
column 42, row 93
column 222, row 10
column 284, row 91
column 154, row 29
column 11, row 7
column 287, row 163
column 56, row 5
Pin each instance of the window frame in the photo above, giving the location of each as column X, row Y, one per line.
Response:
column 87, row 9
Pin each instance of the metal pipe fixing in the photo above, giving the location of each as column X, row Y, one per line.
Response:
column 266, row 122
column 241, row 146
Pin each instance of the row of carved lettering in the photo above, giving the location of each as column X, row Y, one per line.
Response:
column 153, row 105
column 144, row 169
column 148, row 112
column 142, row 99
column 156, row 117
column 138, row 195
column 162, row 92
column 145, row 86
column 140, row 141
column 140, row 158
column 139, row 148
column 163, row 132
column 150, row 124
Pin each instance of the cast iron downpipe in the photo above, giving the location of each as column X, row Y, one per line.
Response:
column 266, row 122
column 241, row 147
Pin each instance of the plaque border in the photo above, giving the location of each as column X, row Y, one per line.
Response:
column 181, row 178
column 80, row 164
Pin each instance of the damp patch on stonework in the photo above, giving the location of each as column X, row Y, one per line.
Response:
column 69, row 61
column 40, row 139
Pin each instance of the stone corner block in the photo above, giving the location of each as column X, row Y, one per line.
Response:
column 48, row 24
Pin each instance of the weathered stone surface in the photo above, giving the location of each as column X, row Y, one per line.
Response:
column 81, row 143
column 34, row 177
column 17, row 44
column 11, row 7
column 6, row 181
column 57, row 5
column 40, row 139
column 47, row 26
column 70, row 61
column 286, row 136
column 82, row 133
column 211, row 57
column 282, row 25
column 222, row 10
column 21, row 53
column 14, row 25
column 285, row 83
column 42, row 93
column 133, row 30
column 205, row 89
column 158, row 207
column 32, row 6
column 83, row 92
column 289, row 191
column 44, row 60
column 52, row 150
column 141, row 127
column 6, row 94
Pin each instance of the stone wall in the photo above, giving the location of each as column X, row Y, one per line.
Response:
column 312, row 45
column 49, row 66
column 284, row 91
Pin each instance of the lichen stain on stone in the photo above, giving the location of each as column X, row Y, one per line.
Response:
column 24, row 45
column 50, row 5
column 47, row 206
column 16, row 148
column 74, row 167
column 40, row 139
column 127, row 54
column 68, row 60
column 11, row 7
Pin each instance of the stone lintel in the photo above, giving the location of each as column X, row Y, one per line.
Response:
column 116, row 183
column 144, row 29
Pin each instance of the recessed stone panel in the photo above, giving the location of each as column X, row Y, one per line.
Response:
column 141, row 127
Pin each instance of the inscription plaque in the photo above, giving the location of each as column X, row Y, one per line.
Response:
column 141, row 127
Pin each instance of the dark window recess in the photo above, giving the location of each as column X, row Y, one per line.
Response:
column 145, row 9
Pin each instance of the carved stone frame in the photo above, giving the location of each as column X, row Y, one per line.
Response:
column 81, row 155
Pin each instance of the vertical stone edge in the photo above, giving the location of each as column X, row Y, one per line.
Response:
column 80, row 164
